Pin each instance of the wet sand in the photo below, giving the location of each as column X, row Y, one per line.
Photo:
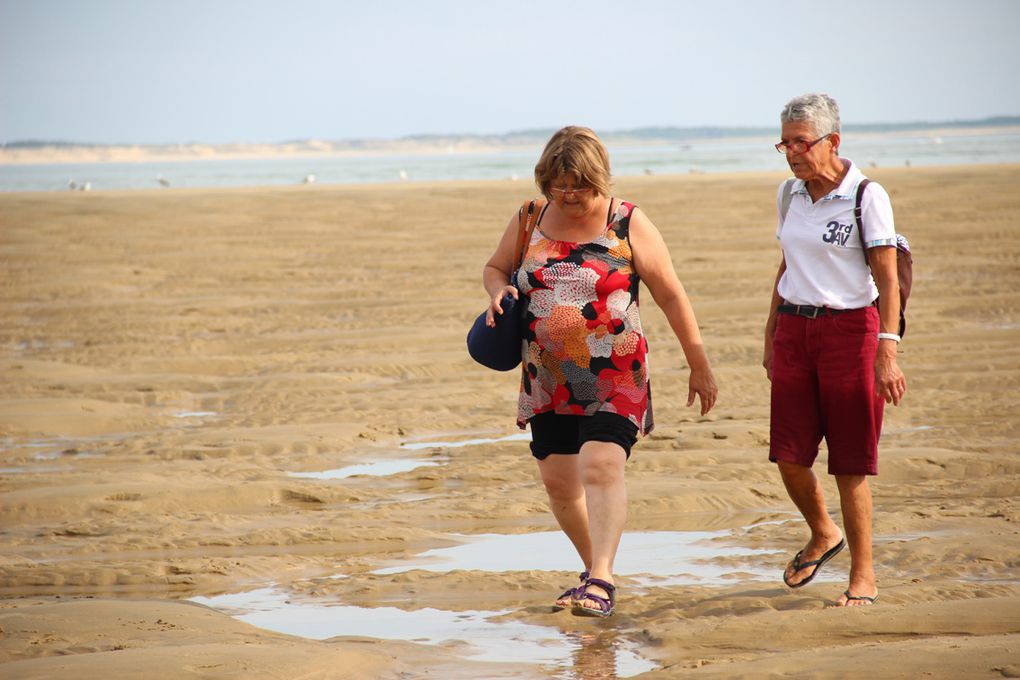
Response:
column 171, row 358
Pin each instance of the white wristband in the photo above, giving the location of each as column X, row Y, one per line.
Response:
column 889, row 336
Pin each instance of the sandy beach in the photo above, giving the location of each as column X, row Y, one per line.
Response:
column 174, row 361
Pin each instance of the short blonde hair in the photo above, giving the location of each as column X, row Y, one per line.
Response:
column 579, row 151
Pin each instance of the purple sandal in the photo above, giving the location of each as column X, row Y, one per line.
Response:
column 606, row 606
column 569, row 593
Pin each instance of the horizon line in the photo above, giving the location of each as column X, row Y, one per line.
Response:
column 645, row 132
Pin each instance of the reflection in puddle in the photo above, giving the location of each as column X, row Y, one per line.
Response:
column 415, row 446
column 488, row 639
column 597, row 656
column 663, row 558
column 377, row 469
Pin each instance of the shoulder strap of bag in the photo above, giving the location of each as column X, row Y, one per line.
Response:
column 787, row 197
column 859, row 216
column 527, row 218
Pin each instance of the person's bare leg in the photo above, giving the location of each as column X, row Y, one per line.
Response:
column 605, row 491
column 855, row 502
column 561, row 475
column 806, row 493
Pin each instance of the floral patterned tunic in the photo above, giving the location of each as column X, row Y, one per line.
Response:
column 583, row 347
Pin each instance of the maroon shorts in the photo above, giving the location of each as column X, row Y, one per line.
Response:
column 823, row 386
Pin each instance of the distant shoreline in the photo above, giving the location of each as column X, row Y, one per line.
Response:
column 46, row 153
column 197, row 152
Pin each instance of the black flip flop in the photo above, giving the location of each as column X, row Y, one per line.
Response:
column 860, row 598
column 817, row 564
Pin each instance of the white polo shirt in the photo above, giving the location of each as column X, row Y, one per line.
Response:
column 825, row 265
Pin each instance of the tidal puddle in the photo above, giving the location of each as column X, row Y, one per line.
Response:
column 25, row 470
column 47, row 451
column 379, row 468
column 26, row 345
column 908, row 430
column 382, row 468
column 487, row 638
column 416, row 446
column 652, row 558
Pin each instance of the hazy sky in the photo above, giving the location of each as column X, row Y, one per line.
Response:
column 142, row 71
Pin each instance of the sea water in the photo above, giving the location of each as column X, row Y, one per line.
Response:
column 705, row 156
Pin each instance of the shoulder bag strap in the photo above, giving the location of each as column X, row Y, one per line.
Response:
column 784, row 206
column 527, row 218
column 859, row 216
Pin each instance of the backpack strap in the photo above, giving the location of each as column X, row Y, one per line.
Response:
column 527, row 218
column 859, row 216
column 786, row 199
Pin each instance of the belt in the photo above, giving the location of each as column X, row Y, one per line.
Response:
column 811, row 312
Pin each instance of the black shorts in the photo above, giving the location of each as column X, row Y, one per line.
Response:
column 555, row 433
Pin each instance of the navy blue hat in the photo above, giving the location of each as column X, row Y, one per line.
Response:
column 498, row 347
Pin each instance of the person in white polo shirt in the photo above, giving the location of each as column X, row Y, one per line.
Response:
column 831, row 340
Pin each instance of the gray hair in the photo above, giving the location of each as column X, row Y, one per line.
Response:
column 820, row 110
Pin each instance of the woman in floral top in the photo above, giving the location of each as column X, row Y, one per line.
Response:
column 584, row 385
